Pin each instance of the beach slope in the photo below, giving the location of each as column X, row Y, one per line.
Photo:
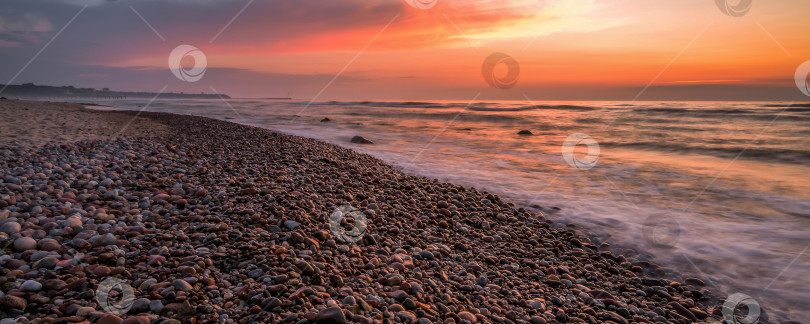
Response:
column 189, row 219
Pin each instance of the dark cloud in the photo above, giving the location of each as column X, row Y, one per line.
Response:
column 110, row 32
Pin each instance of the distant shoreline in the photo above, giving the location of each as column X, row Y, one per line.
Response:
column 30, row 91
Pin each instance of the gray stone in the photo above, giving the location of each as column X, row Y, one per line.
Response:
column 31, row 285
column 10, row 227
column 140, row 305
column 24, row 243
column 103, row 240
column 181, row 284
column 361, row 140
column 156, row 306
column 255, row 273
column 291, row 224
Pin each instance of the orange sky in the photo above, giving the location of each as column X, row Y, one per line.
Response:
column 563, row 47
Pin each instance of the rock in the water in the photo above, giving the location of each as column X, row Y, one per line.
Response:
column 361, row 140
column 325, row 120
column 525, row 132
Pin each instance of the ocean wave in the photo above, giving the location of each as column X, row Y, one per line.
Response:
column 534, row 107
column 479, row 106
column 722, row 111
column 782, row 155
column 401, row 104
column 792, row 106
column 450, row 115
column 782, row 117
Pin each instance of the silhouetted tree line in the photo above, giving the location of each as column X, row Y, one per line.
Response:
column 30, row 90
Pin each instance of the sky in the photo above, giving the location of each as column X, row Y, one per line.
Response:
column 415, row 49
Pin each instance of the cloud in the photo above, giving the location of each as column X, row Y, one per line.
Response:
column 92, row 75
column 6, row 43
column 91, row 3
column 85, row 2
column 117, row 36
column 301, row 44
column 532, row 19
column 25, row 22
column 17, row 28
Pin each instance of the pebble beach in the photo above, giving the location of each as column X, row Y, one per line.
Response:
column 197, row 220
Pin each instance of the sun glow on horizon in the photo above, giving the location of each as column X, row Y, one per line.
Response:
column 391, row 48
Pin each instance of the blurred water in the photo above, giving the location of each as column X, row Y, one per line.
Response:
column 665, row 170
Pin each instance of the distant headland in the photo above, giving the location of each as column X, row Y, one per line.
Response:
column 32, row 91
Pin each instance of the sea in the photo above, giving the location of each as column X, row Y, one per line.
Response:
column 713, row 190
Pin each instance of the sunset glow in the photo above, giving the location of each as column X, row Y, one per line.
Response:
column 612, row 48
column 404, row 161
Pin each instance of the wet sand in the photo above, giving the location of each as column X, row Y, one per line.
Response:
column 32, row 123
